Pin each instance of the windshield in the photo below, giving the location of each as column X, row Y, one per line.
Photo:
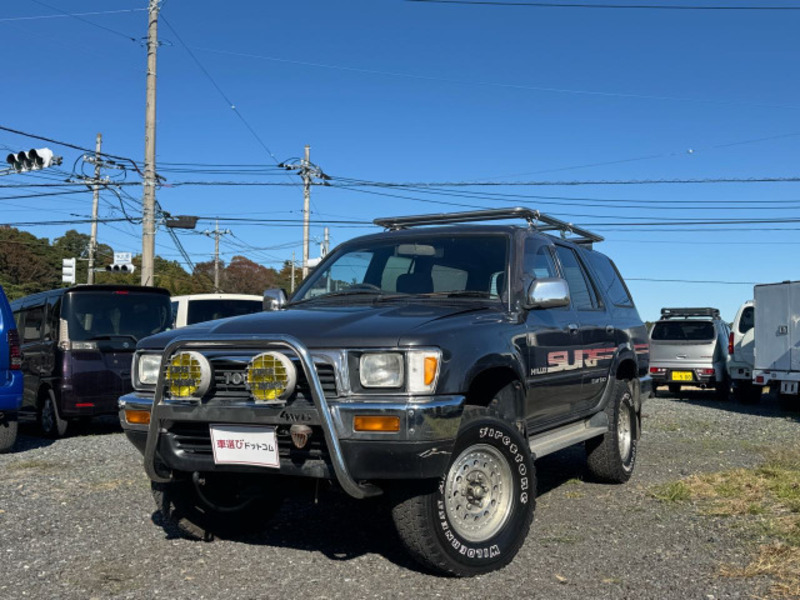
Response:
column 208, row 310
column 441, row 264
column 97, row 315
column 681, row 331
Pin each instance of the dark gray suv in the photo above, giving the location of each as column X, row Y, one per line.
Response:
column 433, row 362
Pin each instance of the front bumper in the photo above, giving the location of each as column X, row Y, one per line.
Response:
column 421, row 449
column 178, row 439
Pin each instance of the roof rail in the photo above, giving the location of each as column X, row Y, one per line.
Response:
column 667, row 313
column 533, row 217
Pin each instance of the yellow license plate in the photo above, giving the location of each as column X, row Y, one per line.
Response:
column 682, row 376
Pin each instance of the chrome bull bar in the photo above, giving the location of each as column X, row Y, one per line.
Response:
column 247, row 342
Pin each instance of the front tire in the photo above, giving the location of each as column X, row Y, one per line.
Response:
column 53, row 426
column 611, row 457
column 222, row 505
column 475, row 518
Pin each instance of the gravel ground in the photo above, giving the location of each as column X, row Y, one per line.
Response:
column 77, row 521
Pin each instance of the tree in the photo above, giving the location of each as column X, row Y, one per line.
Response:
column 27, row 264
column 243, row 276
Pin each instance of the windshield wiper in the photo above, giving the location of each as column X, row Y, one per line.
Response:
column 458, row 294
column 111, row 336
column 349, row 292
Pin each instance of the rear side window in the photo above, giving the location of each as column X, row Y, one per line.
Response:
column 683, row 331
column 747, row 320
column 34, row 320
column 581, row 291
column 610, row 280
column 209, row 310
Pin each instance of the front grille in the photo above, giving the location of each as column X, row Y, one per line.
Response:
column 195, row 439
column 229, row 382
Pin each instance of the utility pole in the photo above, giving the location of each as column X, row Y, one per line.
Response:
column 306, row 207
column 149, row 196
column 95, row 201
column 292, row 290
column 310, row 173
column 216, row 233
column 326, row 243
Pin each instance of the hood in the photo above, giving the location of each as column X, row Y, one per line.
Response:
column 332, row 326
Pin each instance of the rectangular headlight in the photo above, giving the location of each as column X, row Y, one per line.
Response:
column 146, row 369
column 381, row 370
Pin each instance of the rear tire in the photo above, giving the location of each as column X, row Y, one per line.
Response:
column 53, row 426
column 611, row 457
column 746, row 392
column 222, row 505
column 723, row 388
column 475, row 518
column 8, row 433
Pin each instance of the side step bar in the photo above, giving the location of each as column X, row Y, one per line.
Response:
column 558, row 439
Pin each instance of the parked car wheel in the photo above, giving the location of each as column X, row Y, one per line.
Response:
column 723, row 388
column 612, row 456
column 53, row 426
column 476, row 517
column 746, row 393
column 8, row 433
column 223, row 505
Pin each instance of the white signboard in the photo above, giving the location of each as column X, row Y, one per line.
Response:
column 122, row 258
column 245, row 445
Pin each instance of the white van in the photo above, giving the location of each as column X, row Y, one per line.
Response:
column 196, row 308
column 741, row 344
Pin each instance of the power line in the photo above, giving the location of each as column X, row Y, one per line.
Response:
column 67, row 145
column 82, row 20
column 61, row 222
column 63, row 14
column 473, row 82
column 608, row 6
column 219, row 89
column 692, row 281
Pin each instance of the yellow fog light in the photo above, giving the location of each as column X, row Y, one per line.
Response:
column 188, row 375
column 376, row 423
column 137, row 417
column 271, row 377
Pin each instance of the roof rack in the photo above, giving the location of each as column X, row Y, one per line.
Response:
column 667, row 313
column 533, row 217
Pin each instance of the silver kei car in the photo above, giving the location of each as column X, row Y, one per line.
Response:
column 689, row 346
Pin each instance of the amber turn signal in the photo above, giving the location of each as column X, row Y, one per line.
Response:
column 137, row 417
column 431, row 363
column 373, row 423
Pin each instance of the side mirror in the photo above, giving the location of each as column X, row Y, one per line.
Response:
column 550, row 292
column 274, row 299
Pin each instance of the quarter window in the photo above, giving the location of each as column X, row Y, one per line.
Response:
column 746, row 321
column 610, row 280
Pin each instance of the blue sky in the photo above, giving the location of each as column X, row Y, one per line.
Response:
column 398, row 91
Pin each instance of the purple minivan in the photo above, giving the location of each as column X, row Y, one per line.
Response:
column 77, row 344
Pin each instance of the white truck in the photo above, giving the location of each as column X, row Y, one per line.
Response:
column 777, row 338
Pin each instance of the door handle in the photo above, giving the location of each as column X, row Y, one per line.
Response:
column 573, row 328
